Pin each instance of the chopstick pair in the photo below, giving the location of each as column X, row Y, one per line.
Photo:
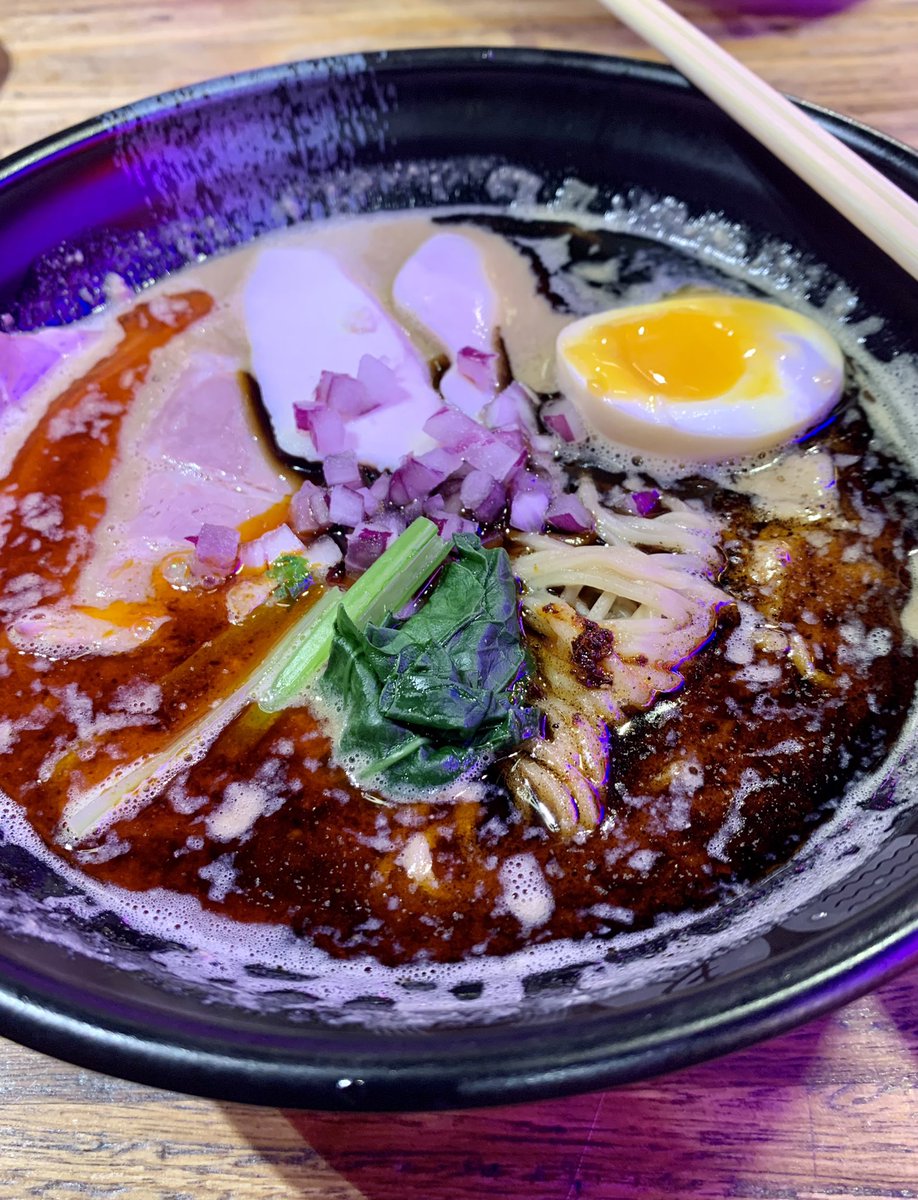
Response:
column 882, row 211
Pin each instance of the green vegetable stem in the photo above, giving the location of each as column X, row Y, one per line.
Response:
column 383, row 588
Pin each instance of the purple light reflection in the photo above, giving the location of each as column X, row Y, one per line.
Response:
column 803, row 10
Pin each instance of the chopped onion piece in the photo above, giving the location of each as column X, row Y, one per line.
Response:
column 562, row 418
column 496, row 457
column 376, row 495
column 449, row 496
column 454, row 429
column 450, row 525
column 483, row 496
column 324, row 426
column 512, row 409
column 529, row 505
column 364, row 546
column 342, row 468
column 309, row 509
column 324, row 552
column 476, row 487
column 568, row 514
column 445, row 462
column 264, row 550
column 645, row 502
column 343, row 394
column 413, row 480
column 215, row 550
column 492, row 506
column 345, row 506
column 396, row 522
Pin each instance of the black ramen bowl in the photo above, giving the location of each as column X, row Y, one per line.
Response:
column 143, row 191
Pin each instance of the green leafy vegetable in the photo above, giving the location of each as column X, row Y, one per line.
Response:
column 438, row 696
column 292, row 575
column 384, row 588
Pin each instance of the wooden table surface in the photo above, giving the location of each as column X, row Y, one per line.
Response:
column 826, row 1111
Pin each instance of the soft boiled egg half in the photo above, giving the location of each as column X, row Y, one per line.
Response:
column 700, row 375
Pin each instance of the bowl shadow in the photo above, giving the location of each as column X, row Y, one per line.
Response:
column 710, row 1121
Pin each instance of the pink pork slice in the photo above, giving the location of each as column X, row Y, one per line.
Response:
column 198, row 459
column 446, row 289
column 305, row 314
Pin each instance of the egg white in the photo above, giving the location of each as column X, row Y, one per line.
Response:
column 790, row 384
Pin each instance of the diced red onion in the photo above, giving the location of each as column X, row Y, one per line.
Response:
column 342, row 468
column 450, row 496
column 543, row 443
column 325, row 427
column 479, row 367
column 349, row 397
column 476, row 487
column 271, row 545
column 216, row 548
column 495, row 457
column 453, row 429
column 645, row 502
column 436, row 511
column 323, row 387
column 442, row 460
column 376, row 495
column 568, row 514
column 394, row 522
column 433, row 507
column 309, row 509
column 483, row 496
column 409, row 512
column 562, row 418
column 450, row 525
column 512, row 409
column 324, row 552
column 345, row 506
column 514, row 439
column 529, row 503
column 413, row 480
column 380, row 381
column 364, row 546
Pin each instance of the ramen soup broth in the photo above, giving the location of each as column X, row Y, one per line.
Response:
column 712, row 642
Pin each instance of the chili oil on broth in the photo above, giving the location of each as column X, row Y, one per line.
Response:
column 715, row 784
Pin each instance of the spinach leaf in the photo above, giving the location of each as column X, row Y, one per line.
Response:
column 437, row 697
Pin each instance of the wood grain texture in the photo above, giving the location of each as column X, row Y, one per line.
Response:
column 69, row 61
column 827, row 1111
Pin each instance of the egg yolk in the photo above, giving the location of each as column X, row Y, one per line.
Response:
column 679, row 352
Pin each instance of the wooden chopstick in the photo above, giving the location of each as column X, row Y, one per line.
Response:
column 882, row 211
